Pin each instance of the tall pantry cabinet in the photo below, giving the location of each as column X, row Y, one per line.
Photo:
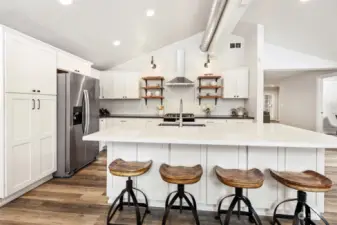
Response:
column 28, row 117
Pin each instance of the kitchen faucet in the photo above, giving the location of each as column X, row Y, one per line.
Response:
column 181, row 113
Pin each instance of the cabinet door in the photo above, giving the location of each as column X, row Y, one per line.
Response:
column 131, row 83
column 72, row 63
column 118, row 88
column 45, row 122
column 242, row 80
column 45, row 75
column 19, row 142
column 102, row 126
column 106, row 85
column 230, row 84
column 20, row 64
column 29, row 66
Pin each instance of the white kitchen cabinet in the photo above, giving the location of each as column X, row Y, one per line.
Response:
column 30, row 66
column 71, row 63
column 30, row 141
column 45, row 123
column 120, row 85
column 236, row 83
column 102, row 126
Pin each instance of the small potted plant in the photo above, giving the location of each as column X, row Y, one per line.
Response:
column 160, row 109
column 208, row 109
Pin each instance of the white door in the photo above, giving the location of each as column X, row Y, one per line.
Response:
column 19, row 144
column 20, row 64
column 242, row 83
column 269, row 105
column 230, row 84
column 45, row 122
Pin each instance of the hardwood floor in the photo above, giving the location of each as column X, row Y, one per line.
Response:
column 81, row 200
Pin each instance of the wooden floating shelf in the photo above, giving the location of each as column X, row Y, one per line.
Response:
column 153, row 97
column 152, row 87
column 210, row 87
column 209, row 77
column 210, row 97
column 153, row 78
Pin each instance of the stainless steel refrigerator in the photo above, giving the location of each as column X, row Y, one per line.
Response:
column 77, row 116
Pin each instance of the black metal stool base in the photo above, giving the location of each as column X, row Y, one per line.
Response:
column 181, row 194
column 302, row 215
column 238, row 197
column 129, row 190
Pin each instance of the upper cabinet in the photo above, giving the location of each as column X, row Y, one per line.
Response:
column 236, row 83
column 30, row 66
column 71, row 63
column 119, row 85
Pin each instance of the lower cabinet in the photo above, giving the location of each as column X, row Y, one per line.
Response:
column 30, row 141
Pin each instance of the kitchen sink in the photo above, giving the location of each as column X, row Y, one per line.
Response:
column 184, row 125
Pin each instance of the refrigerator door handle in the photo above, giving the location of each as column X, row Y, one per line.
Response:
column 87, row 111
column 83, row 113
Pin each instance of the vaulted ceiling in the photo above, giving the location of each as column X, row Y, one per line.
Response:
column 88, row 27
column 307, row 27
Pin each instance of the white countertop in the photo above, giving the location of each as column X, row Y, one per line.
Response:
column 272, row 135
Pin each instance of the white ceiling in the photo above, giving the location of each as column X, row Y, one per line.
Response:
column 274, row 77
column 304, row 27
column 88, row 27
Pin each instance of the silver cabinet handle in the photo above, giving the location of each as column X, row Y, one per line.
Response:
column 123, row 121
column 33, row 100
column 39, row 104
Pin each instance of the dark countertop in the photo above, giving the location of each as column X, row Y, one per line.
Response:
column 224, row 117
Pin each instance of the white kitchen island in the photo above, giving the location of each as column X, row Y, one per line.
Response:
column 241, row 146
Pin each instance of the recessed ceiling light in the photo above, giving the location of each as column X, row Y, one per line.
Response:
column 117, row 43
column 304, row 1
column 150, row 12
column 66, row 2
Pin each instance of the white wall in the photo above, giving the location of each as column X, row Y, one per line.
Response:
column 165, row 58
column 279, row 58
column 298, row 101
column 254, row 57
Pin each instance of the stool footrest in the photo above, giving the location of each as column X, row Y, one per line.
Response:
column 243, row 213
column 284, row 216
column 133, row 204
column 181, row 207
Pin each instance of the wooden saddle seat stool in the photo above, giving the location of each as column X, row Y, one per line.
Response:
column 181, row 176
column 239, row 179
column 307, row 181
column 123, row 168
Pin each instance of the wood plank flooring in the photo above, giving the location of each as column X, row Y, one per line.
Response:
column 81, row 200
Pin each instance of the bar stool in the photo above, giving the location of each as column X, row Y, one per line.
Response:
column 307, row 181
column 122, row 168
column 239, row 179
column 181, row 176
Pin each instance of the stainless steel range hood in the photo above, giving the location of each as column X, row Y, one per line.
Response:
column 180, row 80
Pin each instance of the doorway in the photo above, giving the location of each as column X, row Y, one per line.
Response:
column 271, row 102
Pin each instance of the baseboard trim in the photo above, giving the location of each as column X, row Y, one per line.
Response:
column 16, row 195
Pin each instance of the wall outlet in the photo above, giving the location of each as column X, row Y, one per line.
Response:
column 232, row 45
column 237, row 45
